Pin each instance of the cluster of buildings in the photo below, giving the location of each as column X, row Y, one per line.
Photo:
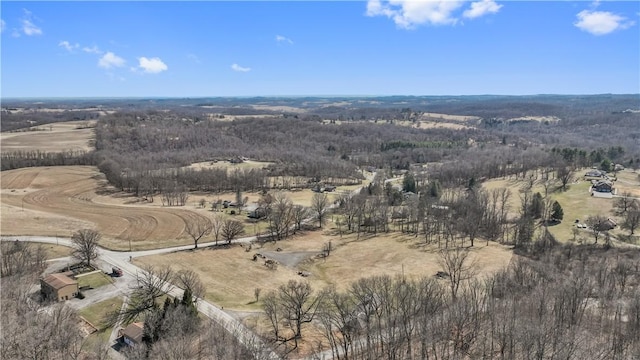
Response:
column 601, row 183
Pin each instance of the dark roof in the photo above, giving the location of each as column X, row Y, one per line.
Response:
column 604, row 182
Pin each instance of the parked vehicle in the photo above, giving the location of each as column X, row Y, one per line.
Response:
column 116, row 271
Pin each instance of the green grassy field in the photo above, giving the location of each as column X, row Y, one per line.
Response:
column 94, row 280
column 577, row 203
column 96, row 313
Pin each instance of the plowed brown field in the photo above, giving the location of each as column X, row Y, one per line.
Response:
column 56, row 201
column 56, row 137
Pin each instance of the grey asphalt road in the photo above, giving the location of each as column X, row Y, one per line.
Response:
column 109, row 258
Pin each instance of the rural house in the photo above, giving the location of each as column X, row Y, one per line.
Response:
column 59, row 287
column 132, row 334
column 603, row 186
column 594, row 174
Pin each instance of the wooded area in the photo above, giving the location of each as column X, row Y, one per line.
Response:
column 557, row 299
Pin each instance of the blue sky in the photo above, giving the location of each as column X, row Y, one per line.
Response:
column 266, row 48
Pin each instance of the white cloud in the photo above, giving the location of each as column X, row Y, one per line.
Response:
column 410, row 13
column 67, row 45
column 28, row 27
column 236, row 67
column 92, row 50
column 481, row 8
column 601, row 22
column 110, row 60
column 280, row 38
column 152, row 66
column 2, row 25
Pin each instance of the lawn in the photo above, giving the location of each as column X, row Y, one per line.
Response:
column 96, row 313
column 94, row 280
column 577, row 203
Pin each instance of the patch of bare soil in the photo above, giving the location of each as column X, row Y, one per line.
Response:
column 289, row 258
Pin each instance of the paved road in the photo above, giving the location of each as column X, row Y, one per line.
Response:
column 121, row 260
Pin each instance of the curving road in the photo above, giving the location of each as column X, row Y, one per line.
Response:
column 122, row 260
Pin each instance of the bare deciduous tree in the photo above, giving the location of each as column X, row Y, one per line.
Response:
column 300, row 213
column 458, row 266
column 85, row 245
column 564, row 174
column 319, row 206
column 216, row 226
column 19, row 257
column 151, row 284
column 624, row 203
column 596, row 224
column 631, row 219
column 293, row 305
column 230, row 229
column 197, row 228
column 189, row 280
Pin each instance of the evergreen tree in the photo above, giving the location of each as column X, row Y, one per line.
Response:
column 187, row 303
column 435, row 190
column 557, row 213
column 409, row 182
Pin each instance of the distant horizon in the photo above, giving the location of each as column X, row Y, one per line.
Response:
column 171, row 49
column 294, row 96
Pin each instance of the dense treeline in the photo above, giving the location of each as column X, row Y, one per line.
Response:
column 152, row 146
column 568, row 303
column 21, row 159
column 142, row 147
column 13, row 120
column 29, row 332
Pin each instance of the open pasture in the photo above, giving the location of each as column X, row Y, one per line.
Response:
column 229, row 166
column 231, row 276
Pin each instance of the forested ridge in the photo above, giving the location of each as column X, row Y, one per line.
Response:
column 554, row 300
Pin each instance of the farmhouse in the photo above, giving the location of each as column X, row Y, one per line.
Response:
column 132, row 334
column 59, row 287
column 603, row 186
